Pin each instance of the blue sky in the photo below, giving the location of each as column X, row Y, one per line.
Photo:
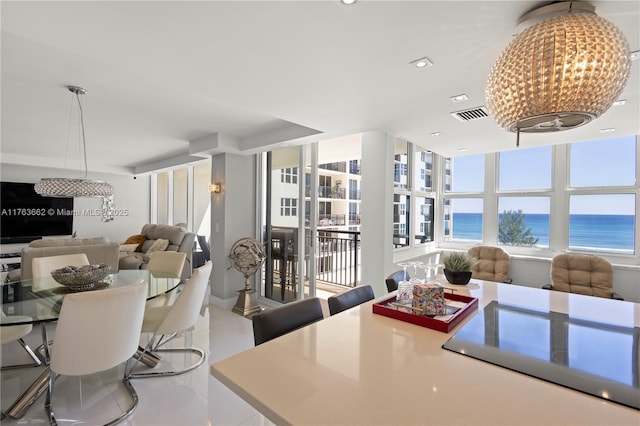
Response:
column 609, row 162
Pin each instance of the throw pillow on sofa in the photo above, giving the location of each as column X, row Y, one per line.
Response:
column 158, row 245
column 128, row 248
column 136, row 239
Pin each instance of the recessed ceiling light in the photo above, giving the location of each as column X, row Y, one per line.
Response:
column 421, row 63
column 634, row 55
column 348, row 1
column 460, row 98
column 436, row 134
column 607, row 130
column 462, row 149
column 620, row 102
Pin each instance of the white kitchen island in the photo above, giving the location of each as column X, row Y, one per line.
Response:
column 360, row 368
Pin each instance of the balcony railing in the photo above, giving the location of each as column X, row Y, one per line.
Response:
column 338, row 257
column 332, row 192
column 340, row 166
column 354, row 219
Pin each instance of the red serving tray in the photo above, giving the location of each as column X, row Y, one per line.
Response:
column 436, row 324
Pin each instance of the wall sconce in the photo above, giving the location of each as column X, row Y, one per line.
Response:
column 215, row 188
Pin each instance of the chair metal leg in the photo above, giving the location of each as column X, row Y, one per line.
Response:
column 37, row 362
column 152, row 349
column 125, row 381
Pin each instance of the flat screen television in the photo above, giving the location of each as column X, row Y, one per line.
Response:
column 27, row 216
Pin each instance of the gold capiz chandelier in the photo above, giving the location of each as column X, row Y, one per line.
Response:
column 560, row 73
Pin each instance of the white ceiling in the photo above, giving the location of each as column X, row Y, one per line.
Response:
column 166, row 78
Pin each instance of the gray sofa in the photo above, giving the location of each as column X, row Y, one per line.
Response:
column 98, row 250
column 179, row 239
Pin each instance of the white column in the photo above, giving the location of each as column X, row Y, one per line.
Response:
column 377, row 210
column 233, row 216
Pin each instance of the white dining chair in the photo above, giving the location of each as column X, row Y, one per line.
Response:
column 166, row 264
column 96, row 331
column 12, row 333
column 166, row 322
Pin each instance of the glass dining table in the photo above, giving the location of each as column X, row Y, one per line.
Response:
column 38, row 302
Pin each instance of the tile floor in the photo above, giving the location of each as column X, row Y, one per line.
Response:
column 195, row 398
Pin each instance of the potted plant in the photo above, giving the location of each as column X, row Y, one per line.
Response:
column 457, row 267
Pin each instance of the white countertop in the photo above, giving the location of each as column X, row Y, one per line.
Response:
column 358, row 368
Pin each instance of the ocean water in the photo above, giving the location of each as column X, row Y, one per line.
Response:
column 601, row 232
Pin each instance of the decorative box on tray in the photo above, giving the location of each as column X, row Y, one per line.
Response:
column 458, row 307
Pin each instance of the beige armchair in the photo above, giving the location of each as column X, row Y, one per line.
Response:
column 492, row 264
column 582, row 274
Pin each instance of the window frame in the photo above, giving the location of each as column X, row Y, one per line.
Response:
column 559, row 195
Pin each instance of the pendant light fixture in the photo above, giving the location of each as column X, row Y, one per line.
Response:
column 75, row 187
column 560, row 73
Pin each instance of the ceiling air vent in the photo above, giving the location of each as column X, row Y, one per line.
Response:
column 471, row 114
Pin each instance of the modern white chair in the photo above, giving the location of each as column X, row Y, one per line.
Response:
column 169, row 263
column 165, row 322
column 164, row 264
column 96, row 331
column 12, row 333
column 42, row 267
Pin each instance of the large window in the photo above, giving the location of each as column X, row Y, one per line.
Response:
column 414, row 199
column 602, row 222
column 401, row 164
column 523, row 221
column 401, row 220
column 423, row 166
column 423, row 220
column 181, row 196
column 602, row 205
column 463, row 209
column 467, row 174
column 582, row 196
column 525, row 169
column 603, row 163
column 464, row 217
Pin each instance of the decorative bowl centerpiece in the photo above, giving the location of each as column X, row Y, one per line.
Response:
column 80, row 277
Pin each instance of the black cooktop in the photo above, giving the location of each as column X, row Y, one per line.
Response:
column 595, row 358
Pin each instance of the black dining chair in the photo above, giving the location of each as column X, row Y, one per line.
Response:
column 350, row 298
column 276, row 322
column 393, row 279
column 204, row 246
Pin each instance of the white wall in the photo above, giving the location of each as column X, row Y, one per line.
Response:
column 131, row 197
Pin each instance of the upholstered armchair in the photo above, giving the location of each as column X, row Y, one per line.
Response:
column 492, row 264
column 582, row 274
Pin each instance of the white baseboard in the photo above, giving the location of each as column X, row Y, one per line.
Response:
column 227, row 304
